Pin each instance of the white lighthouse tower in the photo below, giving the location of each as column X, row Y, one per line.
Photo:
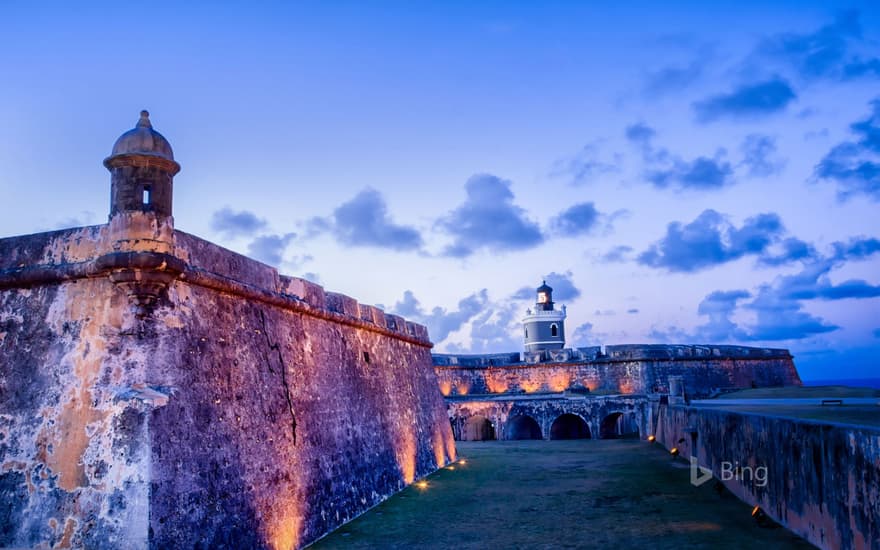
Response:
column 544, row 328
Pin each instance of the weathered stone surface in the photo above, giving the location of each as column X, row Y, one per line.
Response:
column 636, row 369
column 77, row 446
column 547, row 409
column 822, row 480
column 240, row 413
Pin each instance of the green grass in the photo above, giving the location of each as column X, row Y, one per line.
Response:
column 561, row 494
column 805, row 392
column 862, row 415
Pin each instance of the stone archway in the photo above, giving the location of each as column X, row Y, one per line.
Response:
column 478, row 428
column 569, row 426
column 522, row 427
column 618, row 425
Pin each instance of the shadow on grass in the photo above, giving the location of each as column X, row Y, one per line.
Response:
column 560, row 494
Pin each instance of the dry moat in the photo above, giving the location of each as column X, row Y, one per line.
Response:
column 561, row 494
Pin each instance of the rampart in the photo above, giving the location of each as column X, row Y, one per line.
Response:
column 822, row 480
column 242, row 409
column 625, row 369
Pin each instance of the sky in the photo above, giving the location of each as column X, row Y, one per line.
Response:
column 678, row 173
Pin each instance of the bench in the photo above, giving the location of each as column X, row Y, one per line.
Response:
column 832, row 402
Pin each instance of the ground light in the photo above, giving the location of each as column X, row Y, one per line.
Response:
column 673, row 451
column 421, row 485
column 651, row 438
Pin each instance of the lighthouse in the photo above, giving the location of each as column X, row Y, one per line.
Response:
column 544, row 328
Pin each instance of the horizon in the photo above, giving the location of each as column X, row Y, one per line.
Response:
column 694, row 184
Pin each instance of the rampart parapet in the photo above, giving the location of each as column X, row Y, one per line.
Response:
column 635, row 368
column 71, row 254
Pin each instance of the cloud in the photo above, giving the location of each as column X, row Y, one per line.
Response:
column 585, row 166
column 493, row 330
column 583, row 335
column 781, row 319
column 673, row 78
column 855, row 165
column 632, row 311
column 790, row 250
column 813, row 284
column 641, row 134
column 564, row 289
column 778, row 308
column 269, row 249
column 671, row 334
column 364, row 221
column 826, row 53
column 710, row 240
column 759, row 153
column 295, row 263
column 746, row 101
column 857, row 248
column 576, row 220
column 439, row 321
column 663, row 169
column 231, row 224
column 488, row 219
column 719, row 306
column 617, row 254
column 858, row 68
column 700, row 173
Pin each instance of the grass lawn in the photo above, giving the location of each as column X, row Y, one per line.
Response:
column 862, row 415
column 561, row 494
column 805, row 392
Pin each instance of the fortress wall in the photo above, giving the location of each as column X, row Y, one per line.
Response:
column 823, row 480
column 207, row 256
column 592, row 410
column 65, row 246
column 702, row 376
column 544, row 377
column 74, row 441
column 292, row 429
column 636, row 371
column 234, row 415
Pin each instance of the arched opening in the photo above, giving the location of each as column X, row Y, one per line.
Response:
column 618, row 425
column 554, row 330
column 569, row 426
column 478, row 428
column 523, row 427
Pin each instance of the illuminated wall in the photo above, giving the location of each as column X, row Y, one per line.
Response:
column 246, row 410
column 624, row 370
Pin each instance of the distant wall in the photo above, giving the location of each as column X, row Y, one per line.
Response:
column 594, row 411
column 625, row 369
column 248, row 410
column 823, row 480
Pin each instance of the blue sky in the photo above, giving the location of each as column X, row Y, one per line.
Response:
column 677, row 173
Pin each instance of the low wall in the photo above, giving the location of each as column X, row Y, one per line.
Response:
column 246, row 410
column 822, row 480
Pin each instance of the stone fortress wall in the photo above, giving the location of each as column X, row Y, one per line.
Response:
column 624, row 369
column 822, row 479
column 159, row 391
